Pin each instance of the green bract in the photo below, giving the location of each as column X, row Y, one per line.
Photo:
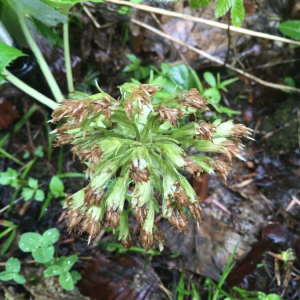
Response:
column 141, row 144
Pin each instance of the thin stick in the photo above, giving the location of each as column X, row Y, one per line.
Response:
column 68, row 58
column 29, row 90
column 217, row 60
column 204, row 21
column 41, row 60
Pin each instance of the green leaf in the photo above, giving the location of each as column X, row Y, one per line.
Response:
column 39, row 151
column 180, row 76
column 237, row 13
column 290, row 81
column 66, row 281
column 213, row 94
column 13, row 265
column 30, row 241
column 69, row 262
column 222, row 7
column 18, row 278
column 5, row 276
column 46, row 31
column 39, row 10
column 33, row 183
column 76, row 276
column 50, row 236
column 272, row 297
column 199, row 3
column 291, row 29
column 53, row 271
column 27, row 193
column 44, row 254
column 57, row 187
column 10, row 177
column 210, row 79
column 227, row 82
column 7, row 55
column 39, row 195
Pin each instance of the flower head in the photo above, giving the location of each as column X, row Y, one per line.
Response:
column 136, row 149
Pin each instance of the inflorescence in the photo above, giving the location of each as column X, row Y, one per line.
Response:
column 135, row 148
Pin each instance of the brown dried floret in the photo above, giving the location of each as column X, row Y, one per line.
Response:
column 128, row 242
column 146, row 239
column 206, row 131
column 178, row 219
column 221, row 169
column 159, row 236
column 140, row 213
column 92, row 227
column 138, row 175
column 196, row 212
column 193, row 99
column 180, row 196
column 63, row 139
column 77, row 109
column 168, row 113
column 231, row 149
column 113, row 218
column 75, row 216
column 94, row 153
column 240, row 130
column 192, row 167
column 91, row 198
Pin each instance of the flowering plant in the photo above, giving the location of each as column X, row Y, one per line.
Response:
column 134, row 148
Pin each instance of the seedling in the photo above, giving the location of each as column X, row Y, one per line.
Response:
column 12, row 270
column 33, row 191
column 40, row 246
column 62, row 269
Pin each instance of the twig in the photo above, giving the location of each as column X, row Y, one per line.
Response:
column 217, row 60
column 87, row 11
column 292, row 203
column 229, row 37
column 204, row 21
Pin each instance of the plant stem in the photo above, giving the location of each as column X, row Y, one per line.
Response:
column 39, row 56
column 29, row 90
column 68, row 57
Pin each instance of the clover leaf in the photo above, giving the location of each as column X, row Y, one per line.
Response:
column 40, row 246
column 10, row 177
column 12, row 269
column 33, row 191
column 62, row 268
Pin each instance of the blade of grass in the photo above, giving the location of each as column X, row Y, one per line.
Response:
column 5, row 232
column 6, row 154
column 29, row 166
column 13, row 198
column 45, row 205
column 227, row 270
column 66, row 175
column 135, row 249
column 8, row 243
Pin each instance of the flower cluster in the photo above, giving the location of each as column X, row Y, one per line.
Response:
column 135, row 149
